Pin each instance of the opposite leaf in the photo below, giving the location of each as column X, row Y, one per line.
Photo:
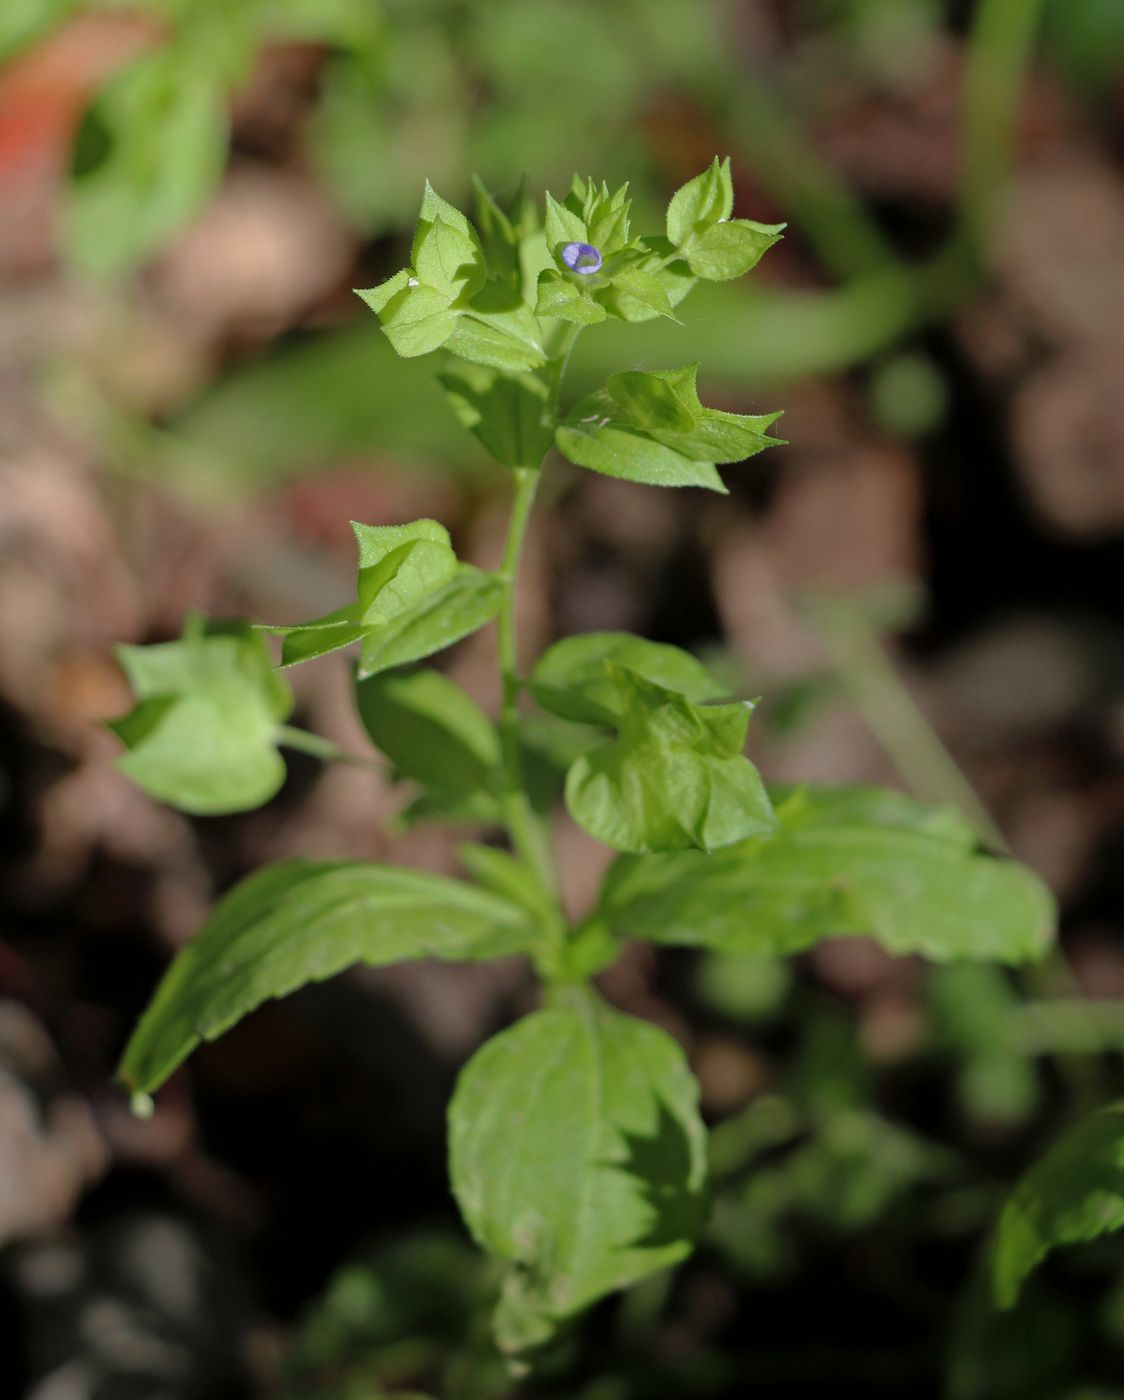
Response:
column 674, row 778
column 204, row 733
column 572, row 679
column 847, row 862
column 651, row 427
column 302, row 921
column 1075, row 1193
column 578, row 1156
column 412, row 598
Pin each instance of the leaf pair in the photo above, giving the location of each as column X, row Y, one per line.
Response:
column 674, row 776
column 651, row 427
column 413, row 597
column 447, row 297
column 209, row 715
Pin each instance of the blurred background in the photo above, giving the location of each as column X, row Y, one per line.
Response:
column 925, row 584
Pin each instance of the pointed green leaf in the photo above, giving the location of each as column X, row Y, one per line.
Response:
column 561, row 296
column 650, row 427
column 447, row 260
column 462, row 605
column 507, row 412
column 644, row 289
column 204, row 733
column 674, row 778
column 573, row 677
column 848, row 861
column 701, row 202
column 302, row 921
column 416, row 318
column 431, row 731
column 578, row 1156
column 731, row 249
column 1074, row 1193
column 562, row 226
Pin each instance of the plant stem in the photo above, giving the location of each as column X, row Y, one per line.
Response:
column 527, row 835
column 527, row 831
column 305, row 742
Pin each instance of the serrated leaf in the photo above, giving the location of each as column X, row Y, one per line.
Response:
column 578, row 1156
column 302, row 921
column 650, row 427
column 413, row 599
column 655, row 258
column 432, row 732
column 416, row 319
column 674, row 778
column 559, row 295
column 730, row 249
column 1074, row 1193
column 508, row 413
column 573, row 678
column 203, row 735
column 839, row 863
column 562, row 226
column 643, row 288
column 701, row 202
column 469, row 600
column 448, row 260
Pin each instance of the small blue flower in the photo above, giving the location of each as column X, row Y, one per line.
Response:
column 582, row 258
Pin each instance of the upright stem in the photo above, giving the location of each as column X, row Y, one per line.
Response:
column 526, row 831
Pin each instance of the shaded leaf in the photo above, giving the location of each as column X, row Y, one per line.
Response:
column 577, row 1155
column 1074, row 1193
column 302, row 921
column 850, row 862
column 507, row 413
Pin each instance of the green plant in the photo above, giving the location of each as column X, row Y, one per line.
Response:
column 577, row 1152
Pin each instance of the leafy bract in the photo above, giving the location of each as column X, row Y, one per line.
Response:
column 302, row 921
column 674, row 777
column 1074, row 1193
column 447, row 297
column 412, row 598
column 507, row 413
column 849, row 861
column 210, row 708
column 572, row 678
column 578, row 1156
column 649, row 426
column 714, row 246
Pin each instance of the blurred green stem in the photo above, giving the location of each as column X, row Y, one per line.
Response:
column 893, row 717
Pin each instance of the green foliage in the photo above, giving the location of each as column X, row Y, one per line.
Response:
column 673, row 778
column 203, row 734
column 845, row 862
column 577, row 1155
column 301, row 921
column 412, row 598
column 577, row 1152
column 151, row 150
column 1074, row 1193
column 651, row 427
